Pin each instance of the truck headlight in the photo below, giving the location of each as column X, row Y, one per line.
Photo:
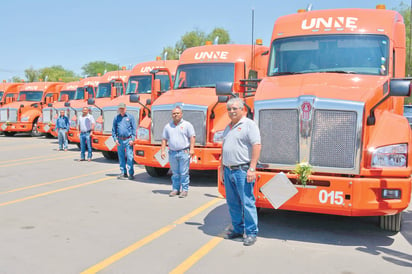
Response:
column 25, row 118
column 98, row 127
column 218, row 137
column 390, row 156
column 143, row 133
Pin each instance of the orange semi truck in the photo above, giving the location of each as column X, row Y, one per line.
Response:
column 200, row 68
column 141, row 83
column 22, row 115
column 47, row 120
column 87, row 89
column 8, row 92
column 332, row 102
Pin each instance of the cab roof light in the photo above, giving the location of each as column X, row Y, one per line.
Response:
column 99, row 74
column 380, row 7
column 259, row 42
column 301, row 10
column 158, row 58
column 4, row 81
column 208, row 43
column 124, row 68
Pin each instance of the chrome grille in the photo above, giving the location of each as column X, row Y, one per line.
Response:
column 324, row 132
column 108, row 116
column 3, row 115
column 196, row 115
column 280, row 136
column 47, row 115
column 333, row 139
column 12, row 115
column 95, row 113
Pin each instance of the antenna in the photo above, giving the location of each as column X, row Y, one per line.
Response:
column 309, row 8
column 253, row 39
column 216, row 41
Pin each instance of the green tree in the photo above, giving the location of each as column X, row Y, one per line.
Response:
column 31, row 74
column 405, row 11
column 16, row 79
column 57, row 73
column 93, row 68
column 195, row 38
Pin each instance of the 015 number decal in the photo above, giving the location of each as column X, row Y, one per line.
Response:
column 332, row 197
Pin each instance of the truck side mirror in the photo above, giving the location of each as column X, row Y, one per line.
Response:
column 67, row 104
column 134, row 98
column 400, row 87
column 113, row 91
column 90, row 101
column 148, row 102
column 64, row 98
column 224, row 88
column 49, row 105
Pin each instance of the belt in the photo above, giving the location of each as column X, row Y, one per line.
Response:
column 236, row 167
column 180, row 149
column 124, row 138
column 86, row 131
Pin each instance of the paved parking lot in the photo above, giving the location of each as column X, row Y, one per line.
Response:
column 59, row 215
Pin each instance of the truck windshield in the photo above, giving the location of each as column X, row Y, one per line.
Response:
column 79, row 94
column 407, row 109
column 203, row 75
column 103, row 91
column 343, row 53
column 33, row 96
column 141, row 84
column 70, row 93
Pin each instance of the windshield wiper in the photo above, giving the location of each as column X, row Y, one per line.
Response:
column 338, row 71
column 285, row 73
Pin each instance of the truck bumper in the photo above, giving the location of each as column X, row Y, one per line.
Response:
column 204, row 158
column 339, row 195
column 44, row 128
column 16, row 127
column 103, row 143
column 74, row 136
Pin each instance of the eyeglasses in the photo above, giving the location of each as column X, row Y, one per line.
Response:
column 232, row 108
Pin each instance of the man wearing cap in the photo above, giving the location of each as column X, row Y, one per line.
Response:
column 124, row 133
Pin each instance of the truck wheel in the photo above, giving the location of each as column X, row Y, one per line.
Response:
column 9, row 134
column 391, row 222
column 49, row 136
column 34, row 130
column 110, row 155
column 156, row 171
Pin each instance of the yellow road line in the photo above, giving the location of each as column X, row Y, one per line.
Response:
column 30, row 158
column 55, row 191
column 199, row 254
column 37, row 161
column 119, row 255
column 56, row 181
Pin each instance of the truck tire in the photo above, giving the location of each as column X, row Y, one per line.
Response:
column 391, row 222
column 110, row 155
column 49, row 136
column 156, row 171
column 9, row 134
column 34, row 130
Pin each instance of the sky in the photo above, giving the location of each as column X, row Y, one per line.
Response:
column 72, row 33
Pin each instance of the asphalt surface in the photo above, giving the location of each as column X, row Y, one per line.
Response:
column 59, row 215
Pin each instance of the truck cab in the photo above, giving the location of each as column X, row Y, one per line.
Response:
column 332, row 102
column 199, row 70
column 141, row 86
column 86, row 89
column 23, row 114
column 47, row 121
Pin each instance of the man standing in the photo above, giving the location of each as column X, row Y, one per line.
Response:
column 62, row 126
column 240, row 153
column 124, row 133
column 179, row 135
column 86, row 124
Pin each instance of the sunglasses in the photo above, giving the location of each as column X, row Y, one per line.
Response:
column 232, row 108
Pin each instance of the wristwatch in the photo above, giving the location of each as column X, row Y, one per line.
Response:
column 251, row 169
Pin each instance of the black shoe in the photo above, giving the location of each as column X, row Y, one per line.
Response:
column 234, row 235
column 131, row 177
column 122, row 176
column 249, row 240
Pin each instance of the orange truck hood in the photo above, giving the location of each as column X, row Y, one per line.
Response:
column 352, row 87
column 192, row 96
column 18, row 104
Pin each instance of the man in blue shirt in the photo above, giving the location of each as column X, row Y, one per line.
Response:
column 62, row 126
column 124, row 133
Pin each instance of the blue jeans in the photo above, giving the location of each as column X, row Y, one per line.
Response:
column 125, row 153
column 85, row 139
column 62, row 135
column 179, row 164
column 241, row 201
